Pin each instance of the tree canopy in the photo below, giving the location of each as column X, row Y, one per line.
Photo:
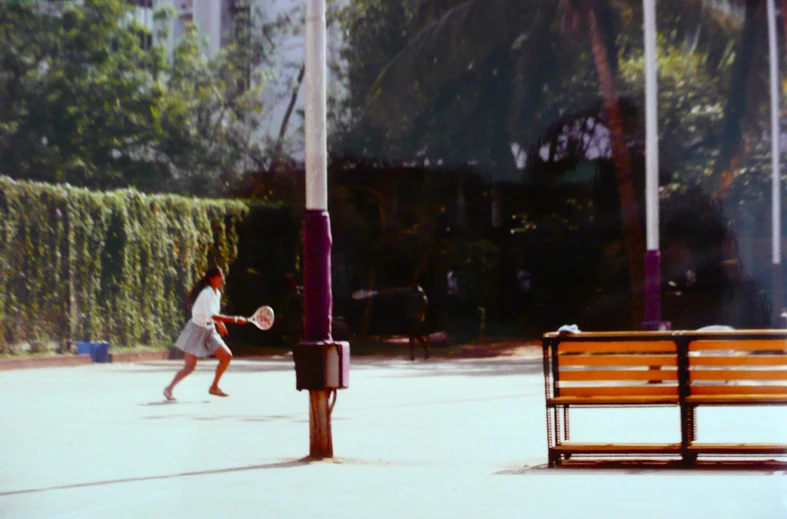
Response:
column 83, row 100
column 555, row 84
column 460, row 81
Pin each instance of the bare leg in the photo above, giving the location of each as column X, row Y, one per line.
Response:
column 225, row 356
column 425, row 344
column 188, row 367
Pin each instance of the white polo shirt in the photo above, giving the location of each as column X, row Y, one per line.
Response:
column 207, row 305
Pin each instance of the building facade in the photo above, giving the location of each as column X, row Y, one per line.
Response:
column 216, row 20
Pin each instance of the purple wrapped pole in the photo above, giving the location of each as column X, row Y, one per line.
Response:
column 652, row 289
column 318, row 302
column 653, row 320
column 321, row 366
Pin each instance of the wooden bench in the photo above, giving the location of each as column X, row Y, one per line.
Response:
column 733, row 369
column 684, row 370
column 607, row 370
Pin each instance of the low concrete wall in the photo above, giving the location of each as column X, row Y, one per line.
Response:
column 138, row 356
column 45, row 362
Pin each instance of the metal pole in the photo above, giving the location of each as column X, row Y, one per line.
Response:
column 317, row 230
column 316, row 139
column 652, row 255
column 775, row 168
column 651, row 128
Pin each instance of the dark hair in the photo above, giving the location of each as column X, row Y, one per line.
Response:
column 203, row 282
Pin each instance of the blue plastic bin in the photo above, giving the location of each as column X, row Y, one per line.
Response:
column 98, row 351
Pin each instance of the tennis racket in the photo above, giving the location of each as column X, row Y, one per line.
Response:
column 364, row 294
column 263, row 318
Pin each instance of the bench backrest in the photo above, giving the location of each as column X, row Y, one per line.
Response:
column 615, row 368
column 738, row 367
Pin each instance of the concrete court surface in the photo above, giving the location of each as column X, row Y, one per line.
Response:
column 428, row 439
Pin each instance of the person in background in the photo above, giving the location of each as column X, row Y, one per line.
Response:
column 415, row 314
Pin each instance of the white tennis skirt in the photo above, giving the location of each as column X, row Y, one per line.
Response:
column 199, row 341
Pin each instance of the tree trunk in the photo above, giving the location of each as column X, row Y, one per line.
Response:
column 630, row 214
column 276, row 157
column 736, row 100
column 783, row 10
column 286, row 120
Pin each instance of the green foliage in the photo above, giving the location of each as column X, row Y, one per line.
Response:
column 749, row 195
column 210, row 114
column 458, row 81
column 690, row 109
column 75, row 87
column 375, row 31
column 81, row 101
column 81, row 265
column 436, row 131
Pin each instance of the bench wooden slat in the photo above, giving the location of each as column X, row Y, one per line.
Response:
column 643, row 390
column 732, row 334
column 619, row 448
column 737, row 374
column 738, row 399
column 739, row 345
column 620, row 360
column 619, row 374
column 614, row 400
column 617, row 347
column 738, row 360
column 738, row 390
column 611, row 335
column 738, row 448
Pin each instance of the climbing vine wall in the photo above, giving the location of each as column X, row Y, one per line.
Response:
column 80, row 265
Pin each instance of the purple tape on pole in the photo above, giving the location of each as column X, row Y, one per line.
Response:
column 653, row 286
column 318, row 302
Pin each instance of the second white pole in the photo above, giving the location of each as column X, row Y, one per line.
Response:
column 776, row 252
column 651, row 127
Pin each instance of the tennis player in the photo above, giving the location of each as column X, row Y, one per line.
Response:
column 202, row 335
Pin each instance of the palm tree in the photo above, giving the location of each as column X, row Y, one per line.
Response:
column 742, row 81
column 471, row 31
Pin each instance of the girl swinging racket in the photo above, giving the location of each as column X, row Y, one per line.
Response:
column 202, row 335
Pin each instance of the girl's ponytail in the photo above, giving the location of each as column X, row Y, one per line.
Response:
column 200, row 285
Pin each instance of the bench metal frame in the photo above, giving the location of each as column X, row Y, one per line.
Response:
column 558, row 416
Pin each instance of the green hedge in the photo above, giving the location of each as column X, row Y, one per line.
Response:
column 80, row 265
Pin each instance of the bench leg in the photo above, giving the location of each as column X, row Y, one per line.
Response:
column 688, row 424
column 554, row 459
column 692, row 424
column 688, row 432
column 685, row 435
column 688, row 458
column 552, row 435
